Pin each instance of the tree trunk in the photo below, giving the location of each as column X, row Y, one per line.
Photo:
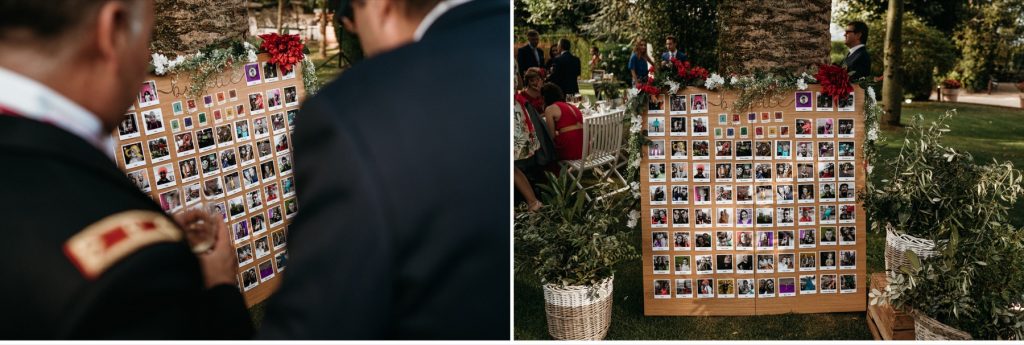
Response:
column 784, row 36
column 184, row 26
column 892, row 89
column 280, row 15
column 323, row 29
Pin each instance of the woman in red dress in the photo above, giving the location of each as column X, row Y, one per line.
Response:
column 531, row 92
column 565, row 123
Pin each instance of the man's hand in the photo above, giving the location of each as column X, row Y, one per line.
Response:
column 218, row 262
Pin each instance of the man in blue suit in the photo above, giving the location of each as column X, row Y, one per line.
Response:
column 391, row 240
column 673, row 50
column 530, row 55
column 565, row 69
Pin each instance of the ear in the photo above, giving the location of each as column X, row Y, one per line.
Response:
column 112, row 29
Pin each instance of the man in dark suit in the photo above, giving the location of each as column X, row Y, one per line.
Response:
column 391, row 241
column 565, row 69
column 530, row 54
column 89, row 256
column 672, row 50
column 858, row 62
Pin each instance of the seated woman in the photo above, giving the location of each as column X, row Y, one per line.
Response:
column 531, row 92
column 565, row 123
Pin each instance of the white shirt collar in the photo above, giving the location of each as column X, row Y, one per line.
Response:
column 33, row 100
column 855, row 48
column 435, row 13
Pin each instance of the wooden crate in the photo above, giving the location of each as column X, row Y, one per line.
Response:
column 886, row 323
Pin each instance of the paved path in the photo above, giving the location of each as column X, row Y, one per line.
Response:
column 1002, row 98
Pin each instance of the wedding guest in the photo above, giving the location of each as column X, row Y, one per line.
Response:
column 638, row 62
column 565, row 123
column 531, row 92
column 565, row 69
column 530, row 55
column 672, row 50
column 115, row 267
column 857, row 61
column 595, row 58
column 525, row 144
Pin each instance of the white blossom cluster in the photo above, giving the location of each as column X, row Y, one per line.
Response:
column 162, row 65
column 634, row 216
column 714, row 81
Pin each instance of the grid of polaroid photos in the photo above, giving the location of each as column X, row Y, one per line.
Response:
column 228, row 151
column 752, row 205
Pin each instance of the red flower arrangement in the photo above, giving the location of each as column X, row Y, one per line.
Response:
column 835, row 81
column 951, row 84
column 285, row 50
column 685, row 73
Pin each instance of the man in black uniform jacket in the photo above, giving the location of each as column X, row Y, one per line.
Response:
column 89, row 256
column 391, row 241
column 858, row 62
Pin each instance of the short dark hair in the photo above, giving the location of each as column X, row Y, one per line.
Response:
column 552, row 93
column 862, row 29
column 532, row 33
column 45, row 20
column 564, row 43
column 671, row 37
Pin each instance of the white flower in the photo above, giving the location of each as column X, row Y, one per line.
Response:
column 733, row 80
column 251, row 55
column 873, row 133
column 672, row 86
column 634, row 189
column 635, row 163
column 159, row 63
column 634, row 216
column 633, row 91
column 714, row 81
column 871, row 94
column 636, row 126
column 870, row 168
column 801, row 84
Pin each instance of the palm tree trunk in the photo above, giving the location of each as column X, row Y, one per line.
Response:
column 892, row 89
column 785, row 36
column 323, row 29
column 280, row 14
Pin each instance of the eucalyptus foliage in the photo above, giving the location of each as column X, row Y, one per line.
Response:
column 572, row 241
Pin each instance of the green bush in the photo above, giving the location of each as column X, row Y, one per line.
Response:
column 927, row 53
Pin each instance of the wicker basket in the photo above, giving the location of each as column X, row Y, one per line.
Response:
column 926, row 328
column 578, row 312
column 896, row 244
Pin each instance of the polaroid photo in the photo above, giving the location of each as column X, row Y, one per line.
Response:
column 764, row 195
column 828, row 236
column 825, row 128
column 656, row 172
column 824, row 102
column 702, row 195
column 221, row 98
column 847, row 103
column 778, row 116
column 845, row 128
column 681, row 264
column 203, row 120
column 827, row 260
column 661, row 289
column 808, row 261
column 656, row 149
column 763, row 150
column 804, row 128
column 206, row 139
column 209, row 164
column 266, row 270
column 225, row 136
column 723, row 196
column 270, row 72
column 744, row 172
column 684, row 288
column 808, row 284
column 847, row 283
column 723, row 149
column 274, row 101
column 262, row 245
column 218, row 116
column 847, row 259
column 133, row 155
column 744, row 216
column 773, row 132
column 744, row 241
column 213, row 188
column 807, row 238
column 232, row 183
column 187, row 122
column 805, row 172
column 765, row 240
column 256, row 105
column 154, row 121
column 766, row 117
column 276, row 217
column 228, row 160
column 786, row 218
column 846, row 150
column 786, row 264
column 787, row 287
column 719, row 134
column 148, row 96
column 164, row 176
column 765, row 287
column 236, row 209
column 700, row 126
column 763, row 173
column 240, row 110
column 826, row 171
column 680, row 195
column 219, row 209
column 699, row 103
column 271, row 192
column 659, row 240
column 290, row 114
column 706, row 288
column 805, row 193
column 188, row 169
column 661, row 264
column 744, row 132
column 681, row 219
column 745, row 288
column 264, row 150
column 759, row 132
column 677, row 126
column 291, row 96
column 846, row 170
column 680, row 172
column 183, row 144
column 288, row 186
column 723, row 239
column 277, row 123
column 735, row 119
column 784, row 194
column 245, row 254
column 191, row 105
column 751, row 117
column 249, row 277
column 847, row 213
column 730, row 133
column 252, row 74
column 656, row 105
column 656, row 126
column 140, row 179
column 246, row 155
column 786, row 239
column 702, row 241
column 677, row 104
column 828, row 283
column 681, row 240
column 250, row 177
column 704, row 264
column 847, row 235
column 679, row 149
column 281, row 260
column 659, row 218
column 170, row 201
column 723, row 119
column 764, row 216
column 784, row 131
column 208, row 101
column 806, row 215
column 700, row 150
column 193, row 194
column 744, row 150
column 726, row 287
column 784, row 173
column 803, row 101
column 827, row 192
column 129, row 127
column 826, row 150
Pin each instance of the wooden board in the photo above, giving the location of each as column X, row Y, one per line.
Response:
column 222, row 115
column 722, row 102
column 885, row 322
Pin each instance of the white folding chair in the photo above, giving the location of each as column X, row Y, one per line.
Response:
column 602, row 141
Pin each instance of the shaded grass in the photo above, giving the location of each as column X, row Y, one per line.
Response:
column 985, row 131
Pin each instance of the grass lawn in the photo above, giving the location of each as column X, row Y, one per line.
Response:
column 986, row 132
